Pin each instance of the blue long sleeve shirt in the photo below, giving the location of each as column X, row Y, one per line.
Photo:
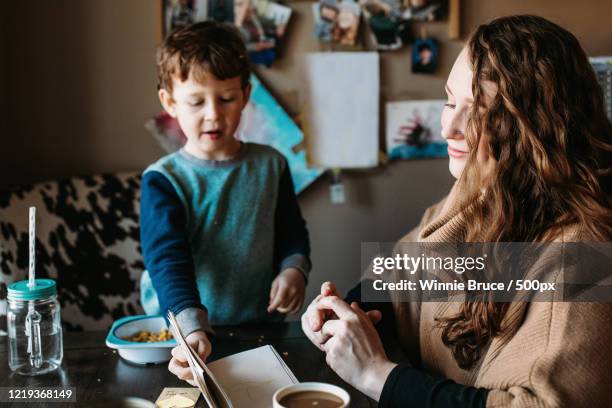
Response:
column 214, row 235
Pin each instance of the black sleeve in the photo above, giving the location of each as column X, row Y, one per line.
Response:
column 407, row 385
column 291, row 244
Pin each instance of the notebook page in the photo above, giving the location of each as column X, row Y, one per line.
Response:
column 251, row 378
column 195, row 364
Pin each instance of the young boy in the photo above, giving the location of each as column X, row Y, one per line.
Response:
column 222, row 235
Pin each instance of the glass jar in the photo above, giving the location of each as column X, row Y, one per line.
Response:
column 34, row 327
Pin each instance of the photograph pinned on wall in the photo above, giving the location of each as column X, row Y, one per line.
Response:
column 341, row 134
column 413, row 129
column 425, row 10
column 390, row 20
column 603, row 71
column 424, row 56
column 263, row 121
column 336, row 22
column 262, row 23
column 390, row 30
column 181, row 13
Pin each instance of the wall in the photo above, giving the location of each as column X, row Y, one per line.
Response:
column 80, row 83
column 4, row 36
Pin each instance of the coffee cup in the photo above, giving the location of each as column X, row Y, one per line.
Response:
column 311, row 394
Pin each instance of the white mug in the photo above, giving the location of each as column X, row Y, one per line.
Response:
column 133, row 402
column 311, row 386
column 126, row 402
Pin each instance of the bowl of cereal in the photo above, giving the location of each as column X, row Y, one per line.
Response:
column 142, row 339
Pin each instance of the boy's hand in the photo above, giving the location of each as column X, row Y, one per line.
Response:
column 287, row 292
column 178, row 366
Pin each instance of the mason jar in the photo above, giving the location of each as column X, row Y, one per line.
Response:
column 34, row 327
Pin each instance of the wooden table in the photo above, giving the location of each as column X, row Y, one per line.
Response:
column 98, row 372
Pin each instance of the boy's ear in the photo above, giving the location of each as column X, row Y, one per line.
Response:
column 247, row 95
column 167, row 101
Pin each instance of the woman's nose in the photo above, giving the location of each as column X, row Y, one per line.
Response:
column 453, row 124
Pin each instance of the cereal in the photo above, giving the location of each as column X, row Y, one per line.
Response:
column 150, row 337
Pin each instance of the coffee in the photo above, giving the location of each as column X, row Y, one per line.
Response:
column 311, row 399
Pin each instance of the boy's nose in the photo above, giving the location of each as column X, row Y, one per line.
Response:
column 211, row 111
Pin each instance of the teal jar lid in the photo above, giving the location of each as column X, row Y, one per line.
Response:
column 43, row 288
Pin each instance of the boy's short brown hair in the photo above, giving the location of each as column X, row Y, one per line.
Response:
column 203, row 48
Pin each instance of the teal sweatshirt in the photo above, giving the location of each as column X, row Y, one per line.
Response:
column 215, row 234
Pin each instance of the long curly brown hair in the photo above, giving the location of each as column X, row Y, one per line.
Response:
column 551, row 142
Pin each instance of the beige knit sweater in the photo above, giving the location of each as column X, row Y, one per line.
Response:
column 560, row 357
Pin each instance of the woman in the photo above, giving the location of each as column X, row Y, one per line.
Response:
column 530, row 145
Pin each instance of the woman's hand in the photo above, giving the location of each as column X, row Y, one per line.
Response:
column 287, row 292
column 313, row 318
column 178, row 365
column 353, row 348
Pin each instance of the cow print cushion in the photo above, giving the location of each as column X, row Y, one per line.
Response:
column 87, row 239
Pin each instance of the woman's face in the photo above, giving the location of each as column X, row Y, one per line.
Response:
column 455, row 117
column 455, row 113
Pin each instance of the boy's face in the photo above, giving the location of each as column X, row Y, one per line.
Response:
column 208, row 112
column 425, row 56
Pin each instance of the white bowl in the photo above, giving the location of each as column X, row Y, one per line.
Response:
column 139, row 352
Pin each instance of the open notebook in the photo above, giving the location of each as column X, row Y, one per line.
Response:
column 246, row 379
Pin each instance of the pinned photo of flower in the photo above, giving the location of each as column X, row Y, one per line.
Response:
column 413, row 129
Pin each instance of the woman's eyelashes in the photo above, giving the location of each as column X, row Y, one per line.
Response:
column 450, row 105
